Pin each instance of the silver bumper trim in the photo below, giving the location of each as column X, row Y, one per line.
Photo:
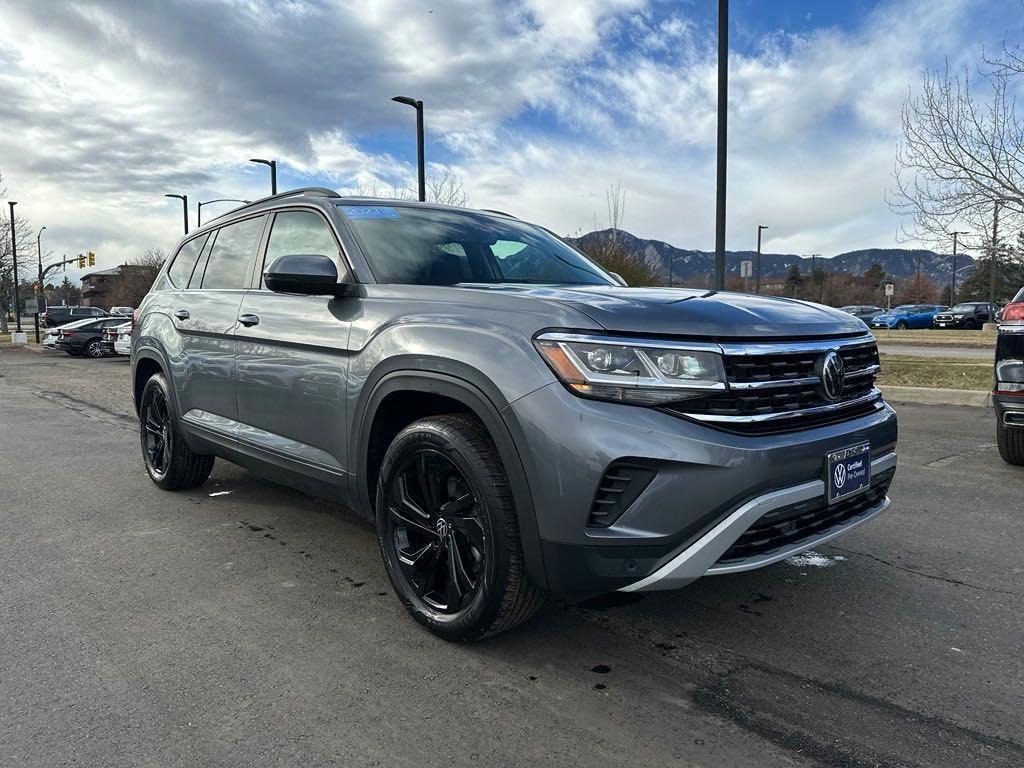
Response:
column 700, row 558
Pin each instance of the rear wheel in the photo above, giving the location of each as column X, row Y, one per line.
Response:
column 1011, row 444
column 170, row 463
column 970, row 325
column 447, row 528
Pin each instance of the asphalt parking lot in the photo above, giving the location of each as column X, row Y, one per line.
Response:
column 247, row 624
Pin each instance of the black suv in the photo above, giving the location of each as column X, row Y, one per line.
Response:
column 513, row 419
column 56, row 315
column 970, row 315
column 1009, row 390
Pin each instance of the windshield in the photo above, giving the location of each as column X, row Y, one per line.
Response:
column 905, row 308
column 963, row 308
column 424, row 246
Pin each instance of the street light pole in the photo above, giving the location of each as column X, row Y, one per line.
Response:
column 952, row 288
column 272, row 164
column 757, row 277
column 723, row 112
column 14, row 258
column 40, row 293
column 201, row 203
column 184, row 206
column 421, row 170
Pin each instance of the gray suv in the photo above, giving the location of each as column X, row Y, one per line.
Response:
column 513, row 420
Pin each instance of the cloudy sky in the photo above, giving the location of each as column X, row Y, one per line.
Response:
column 537, row 105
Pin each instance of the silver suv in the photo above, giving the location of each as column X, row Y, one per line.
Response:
column 513, row 420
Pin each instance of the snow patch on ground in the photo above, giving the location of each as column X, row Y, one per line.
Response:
column 811, row 559
column 219, row 493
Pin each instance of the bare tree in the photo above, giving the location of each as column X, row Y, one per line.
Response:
column 136, row 277
column 962, row 154
column 25, row 238
column 445, row 188
column 611, row 252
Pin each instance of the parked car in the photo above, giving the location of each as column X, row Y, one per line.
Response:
column 122, row 311
column 970, row 315
column 52, row 334
column 1008, row 396
column 514, row 420
column 907, row 316
column 117, row 339
column 57, row 315
column 865, row 312
column 87, row 338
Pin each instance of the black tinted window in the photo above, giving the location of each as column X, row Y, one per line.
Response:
column 439, row 247
column 232, row 254
column 299, row 232
column 1019, row 296
column 185, row 261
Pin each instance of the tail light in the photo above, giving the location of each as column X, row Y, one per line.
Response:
column 1013, row 314
column 65, row 334
column 135, row 318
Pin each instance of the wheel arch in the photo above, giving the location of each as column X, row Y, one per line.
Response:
column 471, row 392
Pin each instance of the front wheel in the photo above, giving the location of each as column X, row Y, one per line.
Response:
column 1011, row 444
column 447, row 528
column 170, row 463
column 901, row 325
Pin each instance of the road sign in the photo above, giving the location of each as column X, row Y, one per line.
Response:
column 31, row 307
column 746, row 268
column 890, row 289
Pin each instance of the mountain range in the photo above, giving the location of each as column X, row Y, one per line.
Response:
column 689, row 265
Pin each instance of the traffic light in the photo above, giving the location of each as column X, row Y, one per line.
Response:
column 81, row 261
column 92, row 259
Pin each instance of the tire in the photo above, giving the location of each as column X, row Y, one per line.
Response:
column 902, row 325
column 94, row 349
column 1011, row 444
column 170, row 463
column 430, row 543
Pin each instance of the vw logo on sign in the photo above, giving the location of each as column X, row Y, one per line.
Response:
column 839, row 475
column 832, row 373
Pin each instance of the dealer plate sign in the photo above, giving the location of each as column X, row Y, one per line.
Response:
column 849, row 471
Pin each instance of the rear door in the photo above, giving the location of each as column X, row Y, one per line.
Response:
column 292, row 358
column 205, row 316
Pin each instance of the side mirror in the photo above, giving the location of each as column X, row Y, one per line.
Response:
column 619, row 280
column 308, row 273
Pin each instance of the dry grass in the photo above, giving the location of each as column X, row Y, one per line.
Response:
column 938, row 373
column 928, row 337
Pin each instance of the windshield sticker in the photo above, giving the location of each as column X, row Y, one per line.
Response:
column 369, row 212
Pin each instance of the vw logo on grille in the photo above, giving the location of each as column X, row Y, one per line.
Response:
column 832, row 373
column 840, row 475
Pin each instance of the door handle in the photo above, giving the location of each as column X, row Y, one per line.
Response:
column 248, row 320
column 182, row 314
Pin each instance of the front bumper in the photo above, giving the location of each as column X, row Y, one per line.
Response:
column 703, row 479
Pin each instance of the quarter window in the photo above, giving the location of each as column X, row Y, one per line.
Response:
column 232, row 255
column 181, row 268
column 299, row 232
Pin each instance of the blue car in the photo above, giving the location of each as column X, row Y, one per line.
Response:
column 907, row 316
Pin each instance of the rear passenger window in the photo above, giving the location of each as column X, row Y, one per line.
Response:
column 232, row 255
column 299, row 232
column 181, row 268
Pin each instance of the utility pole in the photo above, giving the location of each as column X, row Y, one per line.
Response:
column 14, row 258
column 952, row 288
column 40, row 292
column 757, row 276
column 723, row 113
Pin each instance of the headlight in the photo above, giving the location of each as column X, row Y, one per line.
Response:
column 632, row 370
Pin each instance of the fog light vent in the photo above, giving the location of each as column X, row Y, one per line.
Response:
column 619, row 487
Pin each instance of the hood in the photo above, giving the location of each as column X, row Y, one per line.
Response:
column 688, row 312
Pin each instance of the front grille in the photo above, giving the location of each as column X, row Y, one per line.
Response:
column 783, row 527
column 619, row 487
column 776, row 388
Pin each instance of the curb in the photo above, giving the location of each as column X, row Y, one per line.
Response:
column 931, row 396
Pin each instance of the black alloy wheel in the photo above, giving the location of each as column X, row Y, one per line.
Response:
column 434, row 532
column 155, row 429
column 94, row 349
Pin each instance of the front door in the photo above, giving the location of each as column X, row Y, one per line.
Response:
column 292, row 359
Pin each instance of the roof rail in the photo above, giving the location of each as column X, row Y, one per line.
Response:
column 502, row 213
column 321, row 191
